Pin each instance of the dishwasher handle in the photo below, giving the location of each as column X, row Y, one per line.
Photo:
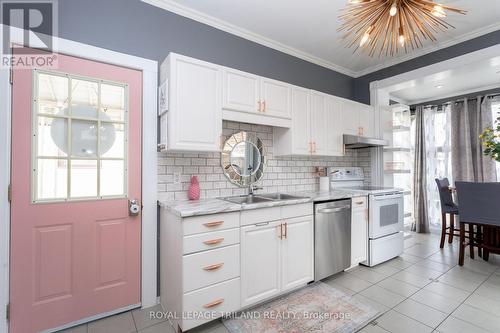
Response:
column 333, row 210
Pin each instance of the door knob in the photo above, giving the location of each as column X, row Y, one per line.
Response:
column 133, row 207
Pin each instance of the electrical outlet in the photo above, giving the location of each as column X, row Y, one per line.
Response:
column 177, row 178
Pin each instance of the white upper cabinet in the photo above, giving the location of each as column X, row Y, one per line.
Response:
column 350, row 117
column 275, row 98
column 193, row 121
column 316, row 126
column 319, row 124
column 366, row 120
column 253, row 99
column 240, row 91
column 334, row 135
column 358, row 118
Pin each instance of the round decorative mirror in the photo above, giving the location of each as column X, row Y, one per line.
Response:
column 243, row 159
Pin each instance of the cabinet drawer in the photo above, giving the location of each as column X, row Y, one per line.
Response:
column 254, row 216
column 209, row 267
column 205, row 223
column 359, row 203
column 218, row 299
column 290, row 211
column 210, row 240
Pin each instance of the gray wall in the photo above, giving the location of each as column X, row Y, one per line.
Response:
column 136, row 28
column 362, row 84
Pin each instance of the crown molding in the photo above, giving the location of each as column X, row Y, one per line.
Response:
column 174, row 7
column 193, row 14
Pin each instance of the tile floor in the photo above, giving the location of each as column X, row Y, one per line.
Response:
column 421, row 291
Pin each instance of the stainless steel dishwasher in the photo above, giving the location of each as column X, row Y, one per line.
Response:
column 332, row 238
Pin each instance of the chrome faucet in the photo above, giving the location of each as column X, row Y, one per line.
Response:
column 252, row 188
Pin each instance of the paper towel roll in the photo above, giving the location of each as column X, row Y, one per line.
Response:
column 324, row 184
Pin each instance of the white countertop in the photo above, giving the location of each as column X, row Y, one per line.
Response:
column 186, row 208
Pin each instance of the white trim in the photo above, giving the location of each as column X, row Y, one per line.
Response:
column 198, row 16
column 454, row 94
column 174, row 7
column 149, row 70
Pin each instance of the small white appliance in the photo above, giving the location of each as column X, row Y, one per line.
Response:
column 385, row 217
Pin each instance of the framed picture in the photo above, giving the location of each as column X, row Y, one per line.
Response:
column 163, row 98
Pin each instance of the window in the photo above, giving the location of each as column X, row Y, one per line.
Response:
column 79, row 138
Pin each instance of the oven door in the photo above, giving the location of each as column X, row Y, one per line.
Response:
column 386, row 214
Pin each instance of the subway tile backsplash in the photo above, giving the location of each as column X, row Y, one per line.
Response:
column 282, row 174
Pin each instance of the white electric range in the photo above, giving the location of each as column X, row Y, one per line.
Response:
column 385, row 217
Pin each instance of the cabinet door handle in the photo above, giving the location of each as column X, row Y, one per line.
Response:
column 213, row 267
column 286, row 230
column 264, row 105
column 213, row 224
column 214, row 241
column 214, row 303
column 314, row 145
column 280, row 236
column 260, row 106
column 359, row 202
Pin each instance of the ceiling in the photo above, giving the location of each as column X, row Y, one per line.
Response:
column 308, row 29
column 463, row 80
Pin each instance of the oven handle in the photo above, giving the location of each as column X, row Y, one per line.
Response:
column 389, row 196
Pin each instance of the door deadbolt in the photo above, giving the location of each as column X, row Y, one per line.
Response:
column 133, row 207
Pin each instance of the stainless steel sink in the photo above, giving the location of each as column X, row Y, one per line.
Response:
column 250, row 199
column 280, row 196
column 247, row 199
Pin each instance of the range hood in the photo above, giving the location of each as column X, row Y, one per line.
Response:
column 356, row 142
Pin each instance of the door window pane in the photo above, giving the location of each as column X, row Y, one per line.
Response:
column 113, row 102
column 52, row 179
column 83, row 138
column 84, row 98
column 52, row 94
column 112, row 177
column 52, row 136
column 112, row 140
column 78, row 153
column 83, row 178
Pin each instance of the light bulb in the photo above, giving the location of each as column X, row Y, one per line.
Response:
column 438, row 11
column 394, row 8
column 366, row 37
column 402, row 40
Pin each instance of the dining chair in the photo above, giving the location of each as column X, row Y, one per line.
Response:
column 478, row 204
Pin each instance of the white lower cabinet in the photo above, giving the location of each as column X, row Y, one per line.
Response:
column 297, row 253
column 276, row 257
column 220, row 263
column 260, row 261
column 359, row 230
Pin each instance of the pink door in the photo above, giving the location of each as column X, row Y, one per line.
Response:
column 76, row 162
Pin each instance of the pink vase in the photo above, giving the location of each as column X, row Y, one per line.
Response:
column 194, row 189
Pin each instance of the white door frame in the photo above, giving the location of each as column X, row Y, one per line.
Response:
column 149, row 70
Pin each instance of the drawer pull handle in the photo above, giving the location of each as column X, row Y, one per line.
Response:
column 214, row 303
column 359, row 202
column 213, row 241
column 213, row 267
column 213, row 224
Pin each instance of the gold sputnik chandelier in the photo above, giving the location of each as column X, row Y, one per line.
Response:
column 390, row 26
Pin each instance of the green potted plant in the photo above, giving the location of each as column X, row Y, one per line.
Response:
column 490, row 139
